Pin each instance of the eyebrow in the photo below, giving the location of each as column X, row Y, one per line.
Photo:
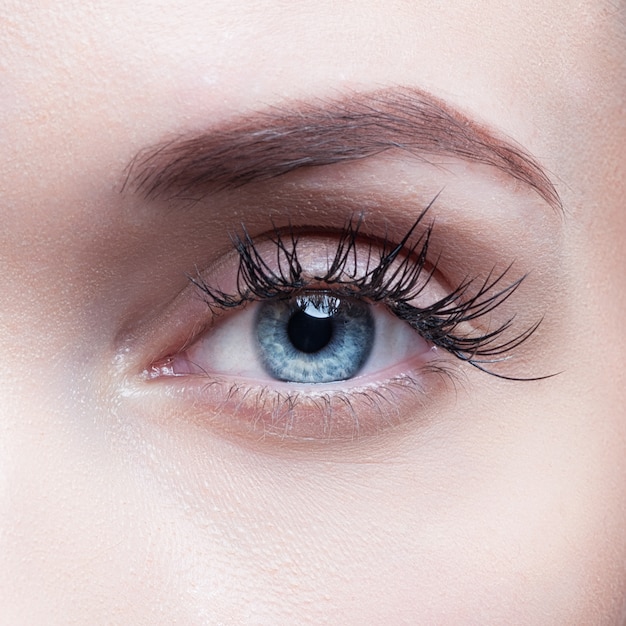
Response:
column 273, row 142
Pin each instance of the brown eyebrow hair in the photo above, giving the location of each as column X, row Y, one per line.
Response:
column 273, row 142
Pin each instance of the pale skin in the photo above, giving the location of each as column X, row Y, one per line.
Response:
column 133, row 497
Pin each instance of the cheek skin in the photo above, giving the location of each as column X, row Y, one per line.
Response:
column 360, row 542
column 305, row 539
column 508, row 527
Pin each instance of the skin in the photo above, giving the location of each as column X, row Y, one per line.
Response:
column 489, row 502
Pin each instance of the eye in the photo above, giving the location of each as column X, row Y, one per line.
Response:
column 312, row 338
column 316, row 337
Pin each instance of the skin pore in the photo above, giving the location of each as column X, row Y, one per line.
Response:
column 134, row 489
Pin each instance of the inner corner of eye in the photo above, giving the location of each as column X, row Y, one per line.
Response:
column 160, row 368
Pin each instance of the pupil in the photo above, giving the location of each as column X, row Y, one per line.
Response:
column 308, row 333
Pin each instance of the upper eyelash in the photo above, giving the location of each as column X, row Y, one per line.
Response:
column 381, row 282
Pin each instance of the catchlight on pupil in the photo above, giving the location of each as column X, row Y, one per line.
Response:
column 310, row 328
column 314, row 338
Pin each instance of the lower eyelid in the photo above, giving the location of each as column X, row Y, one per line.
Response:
column 327, row 413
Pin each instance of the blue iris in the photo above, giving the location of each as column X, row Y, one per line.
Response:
column 314, row 338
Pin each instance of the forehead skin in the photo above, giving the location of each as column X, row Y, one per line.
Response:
column 87, row 531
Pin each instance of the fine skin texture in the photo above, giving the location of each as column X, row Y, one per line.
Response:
column 129, row 494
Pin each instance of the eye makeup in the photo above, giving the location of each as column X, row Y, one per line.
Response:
column 443, row 328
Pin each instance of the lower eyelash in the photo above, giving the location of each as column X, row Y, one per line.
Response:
column 395, row 276
column 266, row 412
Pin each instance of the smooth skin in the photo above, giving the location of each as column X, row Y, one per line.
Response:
column 488, row 502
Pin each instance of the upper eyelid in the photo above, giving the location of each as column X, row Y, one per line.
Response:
column 253, row 266
column 465, row 303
